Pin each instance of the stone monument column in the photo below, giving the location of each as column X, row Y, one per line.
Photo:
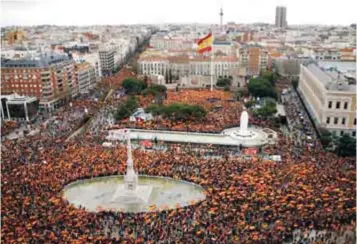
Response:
column 130, row 178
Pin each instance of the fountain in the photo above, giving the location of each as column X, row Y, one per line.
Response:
column 132, row 193
column 243, row 132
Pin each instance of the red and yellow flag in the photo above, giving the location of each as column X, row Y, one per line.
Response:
column 205, row 44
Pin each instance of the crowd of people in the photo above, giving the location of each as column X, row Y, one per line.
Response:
column 300, row 127
column 247, row 200
column 8, row 126
column 223, row 112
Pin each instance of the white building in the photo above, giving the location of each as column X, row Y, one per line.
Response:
column 17, row 53
column 184, row 66
column 330, row 98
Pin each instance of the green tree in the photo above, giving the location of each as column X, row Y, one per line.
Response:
column 170, row 76
column 269, row 75
column 346, row 146
column 267, row 110
column 166, row 78
column 222, row 82
column 295, row 83
column 259, row 87
column 133, row 86
column 155, row 90
column 325, row 137
column 146, row 80
column 126, row 108
column 178, row 111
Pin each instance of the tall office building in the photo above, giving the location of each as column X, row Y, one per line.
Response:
column 280, row 17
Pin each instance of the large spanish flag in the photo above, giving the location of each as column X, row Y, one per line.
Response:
column 205, row 44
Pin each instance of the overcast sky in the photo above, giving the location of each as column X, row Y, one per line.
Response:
column 101, row 12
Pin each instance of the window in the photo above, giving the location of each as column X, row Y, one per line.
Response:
column 329, row 104
column 354, row 133
column 341, row 133
column 343, row 121
column 337, row 105
column 328, row 120
column 336, row 121
column 346, row 105
column 354, row 122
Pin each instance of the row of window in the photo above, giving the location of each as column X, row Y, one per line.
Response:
column 336, row 119
column 25, row 77
column 338, row 105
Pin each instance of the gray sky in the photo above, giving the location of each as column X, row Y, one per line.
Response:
column 89, row 12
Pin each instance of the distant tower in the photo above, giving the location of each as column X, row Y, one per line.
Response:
column 221, row 17
column 280, row 17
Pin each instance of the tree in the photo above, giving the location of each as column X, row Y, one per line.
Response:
column 178, row 111
column 126, row 108
column 146, row 80
column 269, row 75
column 133, row 86
column 222, row 82
column 259, row 87
column 166, row 78
column 346, row 146
column 239, row 94
column 268, row 110
column 154, row 90
column 295, row 83
column 325, row 137
column 170, row 77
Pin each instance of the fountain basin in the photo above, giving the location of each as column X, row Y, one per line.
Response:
column 97, row 194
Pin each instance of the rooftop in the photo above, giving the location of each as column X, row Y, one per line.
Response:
column 332, row 79
column 40, row 61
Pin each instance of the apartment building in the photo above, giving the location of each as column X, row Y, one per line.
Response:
column 49, row 77
column 330, row 97
column 106, row 56
column 254, row 58
column 168, row 43
column 348, row 54
column 86, row 78
column 326, row 54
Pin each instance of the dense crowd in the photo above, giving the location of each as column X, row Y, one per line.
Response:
column 223, row 112
column 247, row 200
column 8, row 126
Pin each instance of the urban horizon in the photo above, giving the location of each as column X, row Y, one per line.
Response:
column 33, row 13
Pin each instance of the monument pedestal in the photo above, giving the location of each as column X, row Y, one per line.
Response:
column 141, row 194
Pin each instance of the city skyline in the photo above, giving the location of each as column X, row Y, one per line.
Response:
column 106, row 12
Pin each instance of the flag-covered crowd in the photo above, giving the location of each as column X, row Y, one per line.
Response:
column 248, row 200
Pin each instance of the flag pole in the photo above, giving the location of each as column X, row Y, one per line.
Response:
column 212, row 68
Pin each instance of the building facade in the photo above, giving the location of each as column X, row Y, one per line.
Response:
column 280, row 17
column 330, row 98
column 254, row 58
column 107, row 62
column 183, row 66
column 50, row 78
column 15, row 107
column 86, row 78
